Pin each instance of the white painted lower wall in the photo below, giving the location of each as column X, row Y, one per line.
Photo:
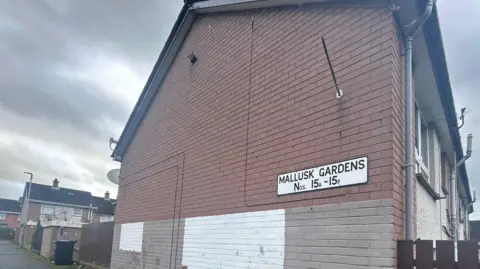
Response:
column 431, row 214
column 131, row 236
column 348, row 235
column 244, row 240
column 429, row 225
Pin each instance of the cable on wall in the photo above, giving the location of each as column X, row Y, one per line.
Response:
column 174, row 217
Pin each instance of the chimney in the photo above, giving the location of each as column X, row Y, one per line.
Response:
column 55, row 183
column 107, row 196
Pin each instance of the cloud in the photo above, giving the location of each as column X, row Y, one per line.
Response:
column 71, row 72
column 461, row 39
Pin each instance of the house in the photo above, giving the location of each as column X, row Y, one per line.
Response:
column 10, row 213
column 241, row 152
column 51, row 204
column 103, row 208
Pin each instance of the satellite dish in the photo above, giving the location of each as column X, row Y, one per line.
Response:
column 114, row 176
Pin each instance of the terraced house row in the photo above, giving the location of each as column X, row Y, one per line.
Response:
column 246, row 150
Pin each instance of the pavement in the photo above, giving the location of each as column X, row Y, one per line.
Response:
column 11, row 257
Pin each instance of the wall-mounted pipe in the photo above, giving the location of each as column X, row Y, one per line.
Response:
column 453, row 185
column 409, row 31
column 467, row 218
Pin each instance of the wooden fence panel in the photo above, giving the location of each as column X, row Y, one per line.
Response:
column 405, row 254
column 96, row 243
column 424, row 257
column 444, row 258
column 467, row 255
column 445, row 254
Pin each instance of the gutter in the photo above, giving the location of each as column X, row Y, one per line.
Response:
column 467, row 217
column 10, row 212
column 453, row 186
column 60, row 204
column 433, row 37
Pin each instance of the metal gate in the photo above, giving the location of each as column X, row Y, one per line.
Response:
column 37, row 238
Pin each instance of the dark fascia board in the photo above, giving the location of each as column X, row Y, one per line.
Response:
column 173, row 44
column 10, row 212
column 433, row 38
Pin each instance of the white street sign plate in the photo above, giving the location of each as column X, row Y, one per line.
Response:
column 335, row 175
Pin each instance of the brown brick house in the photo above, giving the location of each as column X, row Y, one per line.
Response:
column 58, row 204
column 10, row 213
column 242, row 101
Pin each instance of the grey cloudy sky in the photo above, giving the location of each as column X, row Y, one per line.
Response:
column 71, row 71
column 459, row 22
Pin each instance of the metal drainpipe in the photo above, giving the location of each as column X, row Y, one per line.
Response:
column 453, row 185
column 409, row 31
column 453, row 200
column 467, row 216
column 408, row 140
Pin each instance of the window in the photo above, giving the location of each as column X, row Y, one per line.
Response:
column 19, row 217
column 3, row 216
column 48, row 210
column 421, row 141
column 106, row 218
column 445, row 166
column 77, row 211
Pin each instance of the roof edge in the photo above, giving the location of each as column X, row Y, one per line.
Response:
column 170, row 49
column 434, row 40
column 229, row 5
column 56, row 203
column 10, row 212
column 173, row 44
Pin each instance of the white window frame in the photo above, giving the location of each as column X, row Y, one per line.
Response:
column 19, row 217
column 77, row 214
column 106, row 218
column 44, row 207
column 419, row 159
column 3, row 216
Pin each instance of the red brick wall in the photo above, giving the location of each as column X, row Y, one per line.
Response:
column 260, row 102
column 11, row 220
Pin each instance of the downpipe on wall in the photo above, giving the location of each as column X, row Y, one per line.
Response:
column 453, row 186
column 467, row 217
column 409, row 31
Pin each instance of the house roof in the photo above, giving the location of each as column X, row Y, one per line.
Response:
column 58, row 195
column 103, row 206
column 10, row 206
column 186, row 18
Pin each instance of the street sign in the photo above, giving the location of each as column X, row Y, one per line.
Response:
column 335, row 175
